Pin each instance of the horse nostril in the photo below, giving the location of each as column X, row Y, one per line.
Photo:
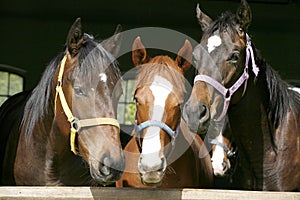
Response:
column 199, row 110
column 105, row 167
column 196, row 116
column 204, row 113
column 224, row 166
column 186, row 111
column 151, row 164
column 163, row 164
column 105, row 170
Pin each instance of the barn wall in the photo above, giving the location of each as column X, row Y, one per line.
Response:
column 33, row 32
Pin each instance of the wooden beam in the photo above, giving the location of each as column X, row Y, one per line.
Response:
column 87, row 193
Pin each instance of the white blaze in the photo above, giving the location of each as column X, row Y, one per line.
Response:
column 103, row 77
column 218, row 156
column 161, row 88
column 296, row 89
column 213, row 42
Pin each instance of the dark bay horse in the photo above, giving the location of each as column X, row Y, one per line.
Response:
column 64, row 131
column 159, row 155
column 263, row 112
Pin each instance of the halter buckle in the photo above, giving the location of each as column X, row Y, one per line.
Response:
column 75, row 124
column 230, row 154
column 59, row 83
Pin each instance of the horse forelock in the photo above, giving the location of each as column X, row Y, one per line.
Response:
column 93, row 55
column 165, row 67
column 226, row 22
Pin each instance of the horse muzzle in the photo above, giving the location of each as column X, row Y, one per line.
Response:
column 152, row 170
column 107, row 171
column 221, row 170
column 197, row 117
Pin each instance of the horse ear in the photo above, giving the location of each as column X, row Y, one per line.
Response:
column 75, row 38
column 113, row 44
column 244, row 15
column 203, row 19
column 184, row 56
column 139, row 53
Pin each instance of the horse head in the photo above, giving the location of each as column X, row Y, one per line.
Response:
column 85, row 106
column 223, row 60
column 159, row 93
column 223, row 151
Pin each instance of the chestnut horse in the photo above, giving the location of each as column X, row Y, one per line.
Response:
column 65, row 131
column 223, row 150
column 159, row 155
column 263, row 112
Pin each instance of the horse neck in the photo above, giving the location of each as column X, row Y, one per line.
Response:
column 251, row 128
column 263, row 123
column 62, row 166
column 194, row 147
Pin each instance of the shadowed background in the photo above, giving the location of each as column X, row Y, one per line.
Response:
column 32, row 32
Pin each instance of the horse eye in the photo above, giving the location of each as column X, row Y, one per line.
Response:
column 79, row 91
column 240, row 32
column 234, row 57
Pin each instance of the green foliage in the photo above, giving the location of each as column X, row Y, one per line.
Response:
column 3, row 83
column 130, row 114
column 16, row 84
column 10, row 84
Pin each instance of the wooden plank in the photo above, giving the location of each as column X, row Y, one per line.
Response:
column 87, row 193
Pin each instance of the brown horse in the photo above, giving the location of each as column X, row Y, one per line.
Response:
column 159, row 155
column 64, row 132
column 263, row 112
column 223, row 151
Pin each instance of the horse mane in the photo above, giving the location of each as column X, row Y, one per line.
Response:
column 281, row 98
column 40, row 103
column 162, row 66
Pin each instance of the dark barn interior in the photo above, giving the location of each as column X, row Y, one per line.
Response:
column 33, row 31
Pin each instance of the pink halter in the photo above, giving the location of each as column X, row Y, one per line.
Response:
column 228, row 92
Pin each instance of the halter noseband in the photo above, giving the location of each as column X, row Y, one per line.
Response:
column 159, row 124
column 165, row 127
column 75, row 123
column 228, row 92
column 229, row 153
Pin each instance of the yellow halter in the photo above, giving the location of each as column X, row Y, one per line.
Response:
column 75, row 123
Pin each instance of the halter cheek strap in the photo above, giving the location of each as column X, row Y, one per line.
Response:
column 75, row 123
column 228, row 92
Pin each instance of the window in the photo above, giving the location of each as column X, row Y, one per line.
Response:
column 126, row 104
column 12, row 81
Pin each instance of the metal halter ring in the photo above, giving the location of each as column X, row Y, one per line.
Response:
column 75, row 124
